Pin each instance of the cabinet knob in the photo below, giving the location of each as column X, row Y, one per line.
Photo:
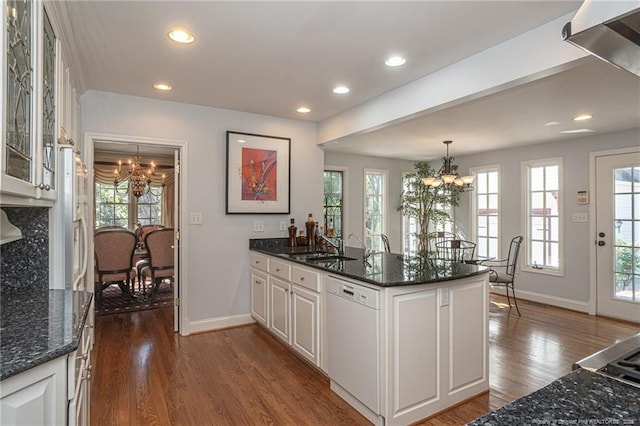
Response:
column 301, row 279
column 258, row 282
column 277, row 269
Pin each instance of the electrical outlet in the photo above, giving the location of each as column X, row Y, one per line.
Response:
column 258, row 226
column 283, row 226
column 195, row 218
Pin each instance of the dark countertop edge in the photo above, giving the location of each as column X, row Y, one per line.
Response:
column 54, row 353
column 282, row 255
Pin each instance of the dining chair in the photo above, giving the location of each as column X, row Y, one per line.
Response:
column 437, row 237
column 113, row 251
column 385, row 243
column 456, row 250
column 160, row 244
column 503, row 271
column 141, row 233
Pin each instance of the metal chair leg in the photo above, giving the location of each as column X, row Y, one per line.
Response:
column 513, row 290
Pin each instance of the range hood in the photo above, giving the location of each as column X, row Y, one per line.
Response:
column 609, row 30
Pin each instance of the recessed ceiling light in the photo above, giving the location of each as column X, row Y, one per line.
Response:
column 582, row 117
column 241, row 141
column 303, row 110
column 162, row 86
column 341, row 90
column 577, row 131
column 181, row 36
column 395, row 61
column 551, row 123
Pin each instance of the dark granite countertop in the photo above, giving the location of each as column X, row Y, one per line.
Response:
column 382, row 269
column 579, row 398
column 38, row 325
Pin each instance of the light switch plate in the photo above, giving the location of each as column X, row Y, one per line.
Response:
column 195, row 218
column 258, row 226
column 580, row 217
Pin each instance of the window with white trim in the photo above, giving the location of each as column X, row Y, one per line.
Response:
column 409, row 224
column 486, row 211
column 375, row 204
column 542, row 180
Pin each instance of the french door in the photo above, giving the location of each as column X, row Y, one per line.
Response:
column 618, row 235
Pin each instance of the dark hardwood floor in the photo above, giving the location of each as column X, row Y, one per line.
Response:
column 144, row 374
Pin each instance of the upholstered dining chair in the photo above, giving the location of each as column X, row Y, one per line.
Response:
column 503, row 271
column 160, row 244
column 456, row 250
column 113, row 252
column 141, row 233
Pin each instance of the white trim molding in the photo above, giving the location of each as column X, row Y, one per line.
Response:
column 212, row 324
column 560, row 302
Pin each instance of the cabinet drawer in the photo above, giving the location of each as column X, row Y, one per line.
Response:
column 305, row 278
column 259, row 261
column 280, row 269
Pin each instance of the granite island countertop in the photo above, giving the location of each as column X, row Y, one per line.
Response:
column 381, row 269
column 579, row 398
column 38, row 325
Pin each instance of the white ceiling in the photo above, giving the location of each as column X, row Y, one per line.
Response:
column 271, row 57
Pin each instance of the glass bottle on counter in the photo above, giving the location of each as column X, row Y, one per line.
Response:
column 302, row 240
column 293, row 229
column 311, row 226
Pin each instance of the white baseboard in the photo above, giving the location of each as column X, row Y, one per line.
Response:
column 561, row 302
column 220, row 322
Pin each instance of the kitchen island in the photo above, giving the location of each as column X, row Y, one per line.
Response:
column 400, row 337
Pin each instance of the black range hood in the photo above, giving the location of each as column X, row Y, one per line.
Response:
column 609, row 30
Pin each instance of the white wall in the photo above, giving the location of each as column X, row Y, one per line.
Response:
column 571, row 290
column 216, row 251
column 354, row 191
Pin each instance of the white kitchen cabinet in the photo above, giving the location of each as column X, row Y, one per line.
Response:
column 259, row 287
column 305, row 323
column 79, row 376
column 280, row 309
column 36, row 397
column 40, row 106
column 259, row 296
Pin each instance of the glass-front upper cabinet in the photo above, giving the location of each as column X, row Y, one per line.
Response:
column 30, row 46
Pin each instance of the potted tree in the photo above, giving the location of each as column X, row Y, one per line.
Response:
column 427, row 204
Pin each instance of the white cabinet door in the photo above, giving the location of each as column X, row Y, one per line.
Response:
column 36, row 397
column 259, row 296
column 305, row 325
column 280, row 308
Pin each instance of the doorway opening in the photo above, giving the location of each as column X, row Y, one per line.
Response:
column 145, row 210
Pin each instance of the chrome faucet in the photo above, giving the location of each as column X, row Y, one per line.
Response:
column 338, row 245
column 367, row 252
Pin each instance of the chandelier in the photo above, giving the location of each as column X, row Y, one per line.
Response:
column 448, row 178
column 139, row 180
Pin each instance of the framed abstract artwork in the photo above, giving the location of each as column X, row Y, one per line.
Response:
column 258, row 174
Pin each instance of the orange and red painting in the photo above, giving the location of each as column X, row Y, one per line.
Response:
column 259, row 174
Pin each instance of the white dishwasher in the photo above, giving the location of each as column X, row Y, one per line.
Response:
column 353, row 340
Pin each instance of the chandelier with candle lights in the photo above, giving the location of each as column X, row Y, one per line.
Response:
column 139, row 179
column 448, row 177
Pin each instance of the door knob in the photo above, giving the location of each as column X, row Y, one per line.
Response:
column 600, row 243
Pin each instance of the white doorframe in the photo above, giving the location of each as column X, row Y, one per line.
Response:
column 593, row 280
column 90, row 139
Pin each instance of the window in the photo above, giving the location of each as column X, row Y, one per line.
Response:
column 149, row 207
column 117, row 207
column 374, row 207
column 543, row 214
column 486, row 208
column 112, row 207
column 332, row 209
column 409, row 224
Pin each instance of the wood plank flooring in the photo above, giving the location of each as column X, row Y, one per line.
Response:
column 144, row 374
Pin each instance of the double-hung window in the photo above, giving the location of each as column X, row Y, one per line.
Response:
column 486, row 211
column 375, row 204
column 542, row 181
column 332, row 208
column 112, row 205
column 409, row 223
